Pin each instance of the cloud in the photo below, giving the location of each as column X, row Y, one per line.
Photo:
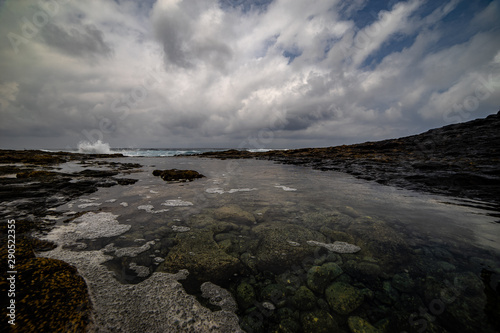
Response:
column 87, row 42
column 225, row 73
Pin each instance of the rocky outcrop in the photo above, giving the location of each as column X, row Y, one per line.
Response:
column 177, row 175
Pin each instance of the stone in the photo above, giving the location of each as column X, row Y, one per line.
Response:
column 177, row 175
column 197, row 252
column 343, row 298
column 218, row 296
column 235, row 214
column 304, row 299
column 319, row 277
column 274, row 293
column 359, row 325
column 381, row 241
column 275, row 254
column 403, row 282
column 318, row 321
column 245, row 294
column 287, row 325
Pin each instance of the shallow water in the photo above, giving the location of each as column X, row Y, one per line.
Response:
column 427, row 263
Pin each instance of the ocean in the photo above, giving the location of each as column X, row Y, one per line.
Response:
column 99, row 147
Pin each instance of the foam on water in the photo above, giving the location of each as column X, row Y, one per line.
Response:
column 157, row 304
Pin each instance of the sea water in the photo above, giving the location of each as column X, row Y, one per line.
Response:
column 252, row 227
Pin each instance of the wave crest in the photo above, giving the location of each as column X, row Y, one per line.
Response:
column 97, row 147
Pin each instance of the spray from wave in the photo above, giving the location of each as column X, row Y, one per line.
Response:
column 97, row 147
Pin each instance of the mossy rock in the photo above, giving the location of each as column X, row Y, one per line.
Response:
column 359, row 325
column 177, row 175
column 319, row 277
column 245, row 294
column 283, row 246
column 274, row 293
column 304, row 299
column 50, row 297
column 318, row 322
column 343, row 298
column 197, row 252
column 234, row 213
column 381, row 241
column 287, row 325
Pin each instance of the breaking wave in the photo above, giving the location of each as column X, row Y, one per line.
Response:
column 98, row 147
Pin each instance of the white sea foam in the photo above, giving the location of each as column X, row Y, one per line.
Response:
column 150, row 209
column 217, row 190
column 97, row 147
column 286, row 188
column 88, row 226
column 92, row 204
column 177, row 203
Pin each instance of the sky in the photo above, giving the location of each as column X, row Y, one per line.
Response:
column 237, row 73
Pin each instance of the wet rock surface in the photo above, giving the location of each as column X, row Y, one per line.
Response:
column 177, row 175
column 51, row 296
column 459, row 160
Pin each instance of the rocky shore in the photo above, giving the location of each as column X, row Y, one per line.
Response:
column 51, row 296
column 460, row 160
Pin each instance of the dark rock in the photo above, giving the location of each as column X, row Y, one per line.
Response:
column 318, row 321
column 343, row 298
column 177, row 175
column 319, row 277
column 304, row 299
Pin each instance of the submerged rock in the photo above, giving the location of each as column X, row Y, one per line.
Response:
column 319, row 277
column 218, row 296
column 304, row 299
column 275, row 254
column 318, row 321
column 197, row 252
column 235, row 214
column 245, row 294
column 359, row 325
column 343, row 298
column 381, row 241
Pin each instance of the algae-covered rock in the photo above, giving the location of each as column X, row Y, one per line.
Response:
column 403, row 282
column 234, row 213
column 287, row 325
column 359, row 325
column 177, row 175
column 197, row 252
column 365, row 271
column 319, row 277
column 276, row 293
column 318, row 321
column 343, row 298
column 382, row 241
column 276, row 254
column 50, row 297
column 304, row 299
column 245, row 295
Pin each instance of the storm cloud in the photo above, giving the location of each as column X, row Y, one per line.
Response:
column 235, row 73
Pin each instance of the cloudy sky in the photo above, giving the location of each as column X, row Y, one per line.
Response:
column 238, row 73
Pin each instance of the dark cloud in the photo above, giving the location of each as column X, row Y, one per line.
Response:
column 82, row 41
